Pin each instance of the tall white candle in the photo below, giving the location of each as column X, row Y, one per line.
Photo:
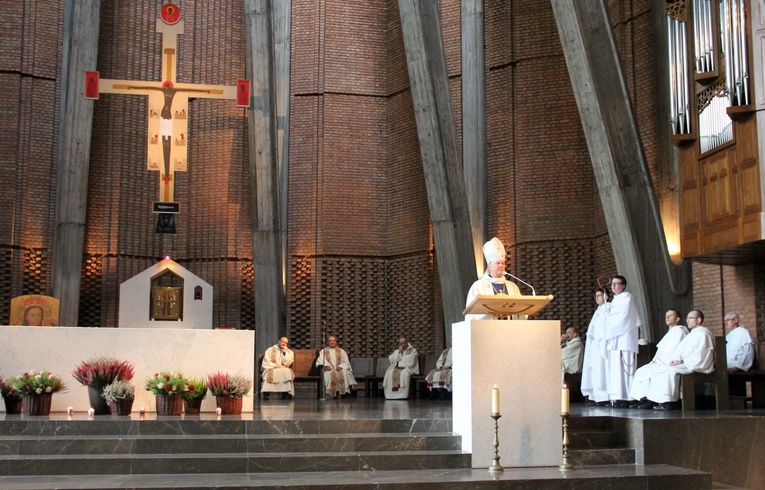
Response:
column 564, row 401
column 495, row 401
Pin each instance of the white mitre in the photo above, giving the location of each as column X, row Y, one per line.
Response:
column 493, row 250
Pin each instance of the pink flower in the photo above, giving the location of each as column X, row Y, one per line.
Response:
column 38, row 390
column 48, row 389
column 38, row 377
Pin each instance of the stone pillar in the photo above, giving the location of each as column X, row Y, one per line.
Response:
column 264, row 175
column 624, row 181
column 437, row 135
column 80, row 51
column 474, row 122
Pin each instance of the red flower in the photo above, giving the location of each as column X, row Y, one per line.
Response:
column 191, row 388
column 167, row 376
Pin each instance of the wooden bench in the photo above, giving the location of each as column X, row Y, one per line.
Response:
column 737, row 386
column 719, row 377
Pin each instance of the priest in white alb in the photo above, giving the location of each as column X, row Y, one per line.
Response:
column 571, row 351
column 403, row 364
column 738, row 344
column 695, row 353
column 622, row 332
column 665, row 353
column 277, row 370
column 595, row 364
column 336, row 369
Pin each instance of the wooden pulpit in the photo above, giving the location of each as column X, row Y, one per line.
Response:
column 502, row 305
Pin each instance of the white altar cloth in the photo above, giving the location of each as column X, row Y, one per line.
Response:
column 192, row 352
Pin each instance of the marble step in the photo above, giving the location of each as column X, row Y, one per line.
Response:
column 230, row 463
column 581, row 439
column 256, row 443
column 604, row 456
column 590, row 423
column 623, row 477
column 181, row 425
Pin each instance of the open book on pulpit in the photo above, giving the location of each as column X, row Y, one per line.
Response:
column 502, row 305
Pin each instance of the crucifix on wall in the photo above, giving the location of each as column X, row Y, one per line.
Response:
column 168, row 113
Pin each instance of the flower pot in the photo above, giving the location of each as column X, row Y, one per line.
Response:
column 12, row 404
column 122, row 406
column 192, row 407
column 99, row 405
column 37, row 404
column 229, row 405
column 169, row 404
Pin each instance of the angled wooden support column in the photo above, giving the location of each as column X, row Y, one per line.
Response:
column 80, row 50
column 444, row 180
column 264, row 175
column 624, row 181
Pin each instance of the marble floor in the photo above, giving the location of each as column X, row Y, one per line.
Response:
column 612, row 476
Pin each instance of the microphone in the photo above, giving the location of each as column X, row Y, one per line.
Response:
column 533, row 291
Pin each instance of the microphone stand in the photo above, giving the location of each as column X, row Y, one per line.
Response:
column 533, row 291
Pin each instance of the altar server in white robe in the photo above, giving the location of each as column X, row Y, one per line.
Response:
column 665, row 353
column 622, row 332
column 277, row 371
column 571, row 351
column 695, row 353
column 440, row 379
column 403, row 364
column 595, row 364
column 338, row 374
column 493, row 280
column 739, row 345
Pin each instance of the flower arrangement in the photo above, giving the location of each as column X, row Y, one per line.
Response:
column 224, row 384
column 7, row 390
column 99, row 371
column 197, row 389
column 167, row 383
column 37, row 383
column 119, row 390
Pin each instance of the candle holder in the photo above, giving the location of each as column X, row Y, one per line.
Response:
column 565, row 465
column 495, row 467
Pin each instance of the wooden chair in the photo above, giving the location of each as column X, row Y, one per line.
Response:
column 305, row 369
column 719, row 378
column 372, row 383
column 362, row 367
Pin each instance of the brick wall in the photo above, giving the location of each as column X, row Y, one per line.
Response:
column 358, row 212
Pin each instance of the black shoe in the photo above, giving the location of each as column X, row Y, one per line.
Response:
column 345, row 396
column 266, row 395
column 647, row 405
column 602, row 404
column 636, row 404
column 667, row 406
column 284, row 396
column 621, row 404
column 289, row 396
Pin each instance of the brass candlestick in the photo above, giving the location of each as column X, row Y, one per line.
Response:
column 495, row 467
column 565, row 465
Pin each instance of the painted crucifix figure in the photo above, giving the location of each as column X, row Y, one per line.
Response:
column 168, row 112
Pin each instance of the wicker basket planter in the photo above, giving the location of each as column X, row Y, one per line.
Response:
column 169, row 404
column 37, row 404
column 122, row 406
column 229, row 405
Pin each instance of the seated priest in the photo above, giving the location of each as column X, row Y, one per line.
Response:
column 336, row 368
column 695, row 353
column 571, row 351
column 440, row 379
column 665, row 353
column 739, row 345
column 403, row 364
column 277, row 371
